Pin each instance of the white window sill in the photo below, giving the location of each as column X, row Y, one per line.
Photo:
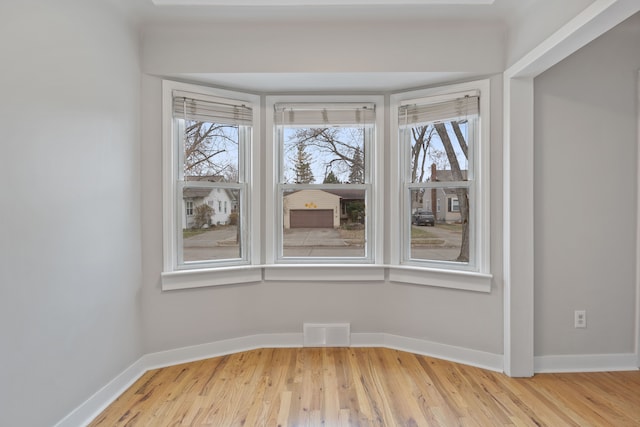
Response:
column 454, row 279
column 200, row 278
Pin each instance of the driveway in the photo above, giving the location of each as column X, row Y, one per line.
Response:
column 296, row 237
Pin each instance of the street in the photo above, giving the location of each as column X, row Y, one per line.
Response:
column 441, row 242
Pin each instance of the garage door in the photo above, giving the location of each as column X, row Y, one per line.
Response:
column 311, row 218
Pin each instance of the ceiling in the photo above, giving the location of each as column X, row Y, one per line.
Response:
column 495, row 13
column 502, row 11
column 312, row 2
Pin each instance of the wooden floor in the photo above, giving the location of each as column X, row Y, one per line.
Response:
column 367, row 387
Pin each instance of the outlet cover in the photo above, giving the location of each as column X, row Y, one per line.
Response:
column 580, row 319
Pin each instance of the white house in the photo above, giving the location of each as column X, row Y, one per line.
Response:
column 82, row 309
column 222, row 202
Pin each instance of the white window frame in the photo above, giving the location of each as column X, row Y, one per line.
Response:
column 387, row 209
column 337, row 269
column 476, row 275
column 240, row 270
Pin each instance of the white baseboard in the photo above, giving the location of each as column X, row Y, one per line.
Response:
column 90, row 409
column 220, row 348
column 586, row 363
column 465, row 356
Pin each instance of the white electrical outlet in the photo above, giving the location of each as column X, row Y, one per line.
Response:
column 580, row 319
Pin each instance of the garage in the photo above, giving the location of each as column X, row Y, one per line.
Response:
column 311, row 218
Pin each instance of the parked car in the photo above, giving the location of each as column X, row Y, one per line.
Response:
column 422, row 217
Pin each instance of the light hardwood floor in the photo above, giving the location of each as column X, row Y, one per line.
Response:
column 367, row 387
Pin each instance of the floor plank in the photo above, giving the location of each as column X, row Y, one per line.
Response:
column 367, row 387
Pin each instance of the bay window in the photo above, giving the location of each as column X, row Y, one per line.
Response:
column 306, row 198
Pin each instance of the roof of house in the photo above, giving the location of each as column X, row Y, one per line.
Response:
column 443, row 175
column 346, row 194
column 195, row 193
column 208, row 178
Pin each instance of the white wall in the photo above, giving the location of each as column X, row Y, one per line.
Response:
column 538, row 20
column 585, row 197
column 70, row 205
column 181, row 318
column 314, row 47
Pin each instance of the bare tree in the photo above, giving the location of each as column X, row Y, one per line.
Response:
column 341, row 149
column 204, row 143
column 421, row 142
column 203, row 215
column 456, row 172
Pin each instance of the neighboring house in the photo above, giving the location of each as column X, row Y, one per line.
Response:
column 222, row 201
column 447, row 208
column 348, row 198
column 443, row 202
column 311, row 209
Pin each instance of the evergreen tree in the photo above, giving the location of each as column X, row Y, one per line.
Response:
column 331, row 178
column 356, row 176
column 304, row 174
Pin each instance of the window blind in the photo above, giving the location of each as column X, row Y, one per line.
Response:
column 211, row 111
column 324, row 114
column 412, row 114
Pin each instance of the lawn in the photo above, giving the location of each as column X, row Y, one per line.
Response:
column 421, row 233
column 193, row 232
column 457, row 228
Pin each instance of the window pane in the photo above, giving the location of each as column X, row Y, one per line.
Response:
column 439, row 151
column 209, row 233
column 210, row 151
column 443, row 234
column 329, row 155
column 324, row 223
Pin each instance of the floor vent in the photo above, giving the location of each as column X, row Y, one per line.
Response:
column 327, row 334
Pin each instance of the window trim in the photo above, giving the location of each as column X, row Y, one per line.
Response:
column 278, row 267
column 181, row 277
column 478, row 277
column 262, row 184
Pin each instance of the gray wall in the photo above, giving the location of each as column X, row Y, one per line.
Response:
column 81, row 197
column 180, row 318
column 312, row 46
column 585, row 196
column 70, row 207
column 538, row 20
